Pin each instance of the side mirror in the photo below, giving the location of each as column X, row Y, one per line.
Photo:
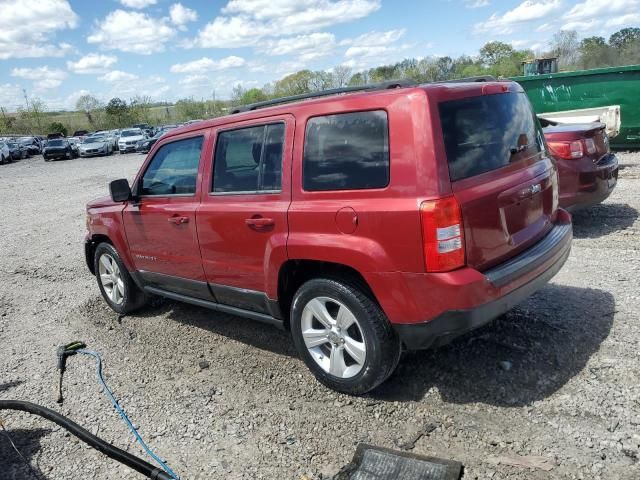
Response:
column 120, row 190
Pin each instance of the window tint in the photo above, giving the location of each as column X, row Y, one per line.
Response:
column 346, row 151
column 488, row 132
column 249, row 159
column 174, row 168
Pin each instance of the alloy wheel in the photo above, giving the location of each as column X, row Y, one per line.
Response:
column 333, row 337
column 111, row 278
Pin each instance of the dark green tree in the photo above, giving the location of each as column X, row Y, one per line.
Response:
column 57, row 127
column 117, row 112
column 623, row 38
column 494, row 52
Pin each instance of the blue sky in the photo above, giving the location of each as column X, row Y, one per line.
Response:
column 60, row 49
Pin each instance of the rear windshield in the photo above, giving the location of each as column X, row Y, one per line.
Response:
column 488, row 132
column 130, row 133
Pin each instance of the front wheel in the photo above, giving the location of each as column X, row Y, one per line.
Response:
column 115, row 283
column 343, row 336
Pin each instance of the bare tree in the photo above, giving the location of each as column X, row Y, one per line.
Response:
column 566, row 47
column 341, row 76
column 89, row 105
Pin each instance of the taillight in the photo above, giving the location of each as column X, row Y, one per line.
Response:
column 442, row 234
column 566, row 150
column 590, row 146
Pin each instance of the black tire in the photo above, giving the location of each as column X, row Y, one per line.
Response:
column 383, row 346
column 133, row 298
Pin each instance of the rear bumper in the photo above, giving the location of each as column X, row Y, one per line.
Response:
column 583, row 187
column 502, row 287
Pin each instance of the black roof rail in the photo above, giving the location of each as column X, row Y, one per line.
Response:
column 325, row 93
column 480, row 78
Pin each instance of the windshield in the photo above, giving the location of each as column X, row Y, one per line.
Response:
column 55, row 143
column 12, row 145
column 26, row 141
column 487, row 132
column 131, row 133
column 93, row 140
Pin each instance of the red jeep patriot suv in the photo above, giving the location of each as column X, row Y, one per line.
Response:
column 366, row 222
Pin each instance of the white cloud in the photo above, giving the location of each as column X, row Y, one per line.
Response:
column 10, row 96
column 138, row 3
column 598, row 8
column 43, row 78
column 580, row 25
column 373, row 44
column 199, row 85
column 133, row 32
column 181, row 15
column 117, row 76
column 128, row 85
column 519, row 43
column 375, row 48
column 27, row 27
column 305, row 48
column 527, row 11
column 476, row 3
column 545, row 27
column 92, row 63
column 537, row 47
column 628, row 19
column 252, row 20
column 206, row 64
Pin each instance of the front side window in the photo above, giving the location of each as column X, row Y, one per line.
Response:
column 249, row 159
column 173, row 169
column 348, row 151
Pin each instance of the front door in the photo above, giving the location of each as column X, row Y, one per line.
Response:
column 242, row 220
column 161, row 225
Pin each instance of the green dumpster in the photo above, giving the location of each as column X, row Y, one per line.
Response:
column 601, row 87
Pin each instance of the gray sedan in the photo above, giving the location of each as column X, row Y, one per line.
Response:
column 95, row 145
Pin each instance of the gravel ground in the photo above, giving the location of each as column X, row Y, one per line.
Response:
column 224, row 397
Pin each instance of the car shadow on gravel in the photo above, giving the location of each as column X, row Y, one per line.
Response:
column 522, row 357
column 603, row 219
column 250, row 332
column 12, row 467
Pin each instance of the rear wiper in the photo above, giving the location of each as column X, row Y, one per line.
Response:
column 521, row 148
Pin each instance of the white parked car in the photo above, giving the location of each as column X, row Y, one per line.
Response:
column 129, row 138
column 5, row 153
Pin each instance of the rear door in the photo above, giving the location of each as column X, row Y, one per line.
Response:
column 161, row 225
column 242, row 220
column 505, row 184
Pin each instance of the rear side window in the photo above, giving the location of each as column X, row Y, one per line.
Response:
column 173, row 169
column 249, row 160
column 487, row 132
column 348, row 151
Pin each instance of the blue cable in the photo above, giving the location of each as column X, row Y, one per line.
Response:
column 126, row 420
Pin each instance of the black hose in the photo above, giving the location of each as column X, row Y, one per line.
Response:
column 107, row 449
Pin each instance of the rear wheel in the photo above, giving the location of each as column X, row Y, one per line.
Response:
column 115, row 283
column 343, row 336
